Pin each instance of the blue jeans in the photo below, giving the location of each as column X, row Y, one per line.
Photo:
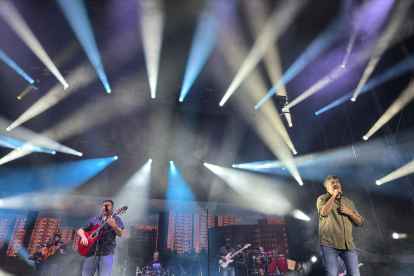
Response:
column 228, row 271
column 53, row 270
column 103, row 265
column 330, row 257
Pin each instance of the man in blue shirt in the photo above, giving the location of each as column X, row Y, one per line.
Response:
column 105, row 247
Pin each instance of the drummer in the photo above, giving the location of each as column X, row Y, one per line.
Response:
column 261, row 262
column 156, row 262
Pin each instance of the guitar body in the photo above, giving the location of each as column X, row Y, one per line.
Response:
column 226, row 263
column 229, row 257
column 48, row 252
column 92, row 235
column 92, row 238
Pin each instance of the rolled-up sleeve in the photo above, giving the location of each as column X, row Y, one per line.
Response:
column 88, row 225
column 319, row 204
column 356, row 213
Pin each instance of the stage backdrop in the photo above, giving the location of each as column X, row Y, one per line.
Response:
column 177, row 229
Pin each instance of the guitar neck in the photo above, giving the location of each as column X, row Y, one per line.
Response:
column 105, row 222
column 231, row 257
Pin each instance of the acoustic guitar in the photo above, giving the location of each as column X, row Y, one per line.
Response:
column 93, row 236
column 49, row 251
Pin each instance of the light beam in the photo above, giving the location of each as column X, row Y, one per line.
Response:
column 17, row 23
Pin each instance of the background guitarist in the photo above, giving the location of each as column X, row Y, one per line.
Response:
column 223, row 251
column 106, row 242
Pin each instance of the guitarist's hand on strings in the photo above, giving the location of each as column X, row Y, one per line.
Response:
column 111, row 222
column 84, row 241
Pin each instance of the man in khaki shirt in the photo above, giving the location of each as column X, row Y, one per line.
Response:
column 337, row 214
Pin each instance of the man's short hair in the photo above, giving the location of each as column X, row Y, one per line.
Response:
column 329, row 179
column 156, row 252
column 108, row 200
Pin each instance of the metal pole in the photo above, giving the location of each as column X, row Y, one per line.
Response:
column 208, row 246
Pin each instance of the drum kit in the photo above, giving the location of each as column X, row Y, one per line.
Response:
column 267, row 264
column 148, row 271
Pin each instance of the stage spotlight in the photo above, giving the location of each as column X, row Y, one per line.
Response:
column 171, row 162
column 204, row 40
column 314, row 259
column 391, row 73
column 15, row 67
column 17, row 148
column 290, row 125
column 115, row 157
column 277, row 23
column 353, row 99
column 53, row 152
column 80, row 154
column 8, row 129
column 343, row 66
column 314, row 50
column 295, row 152
column 150, row 160
column 297, row 214
column 398, row 236
column 365, row 138
column 231, row 165
column 151, row 15
column 378, row 182
column 77, row 16
column 12, row 16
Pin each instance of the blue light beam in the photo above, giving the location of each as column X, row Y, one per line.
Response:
column 20, row 145
column 316, row 48
column 56, row 178
column 15, row 67
column 203, row 43
column 395, row 71
column 178, row 188
column 77, row 16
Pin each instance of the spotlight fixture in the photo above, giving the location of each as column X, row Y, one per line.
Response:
column 233, row 166
column 150, row 160
column 181, row 99
column 290, row 125
column 365, row 137
column 353, row 99
column 108, row 90
column 343, row 66
column 80, row 154
column 153, row 96
column 17, row 148
column 314, row 259
column 115, row 157
column 36, row 85
column 295, row 152
column 53, row 152
column 171, row 162
column 316, row 113
column 8, row 129
column 378, row 182
column 395, row 235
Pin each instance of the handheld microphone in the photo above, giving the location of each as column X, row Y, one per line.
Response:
column 106, row 208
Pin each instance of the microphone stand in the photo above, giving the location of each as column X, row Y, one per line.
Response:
column 208, row 247
column 96, row 248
